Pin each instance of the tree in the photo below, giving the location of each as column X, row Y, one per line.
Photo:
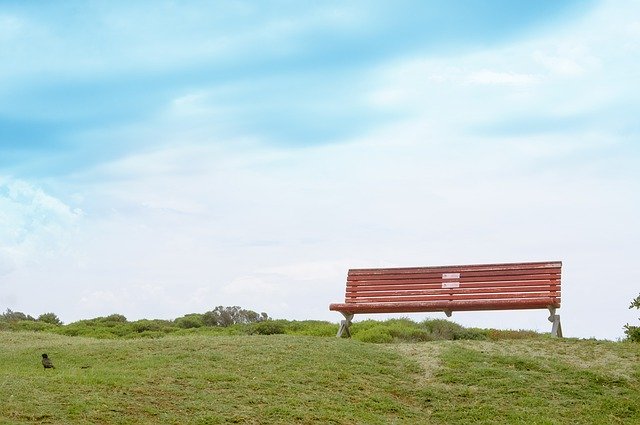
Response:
column 193, row 320
column 118, row 318
column 633, row 332
column 227, row 316
column 49, row 318
column 14, row 316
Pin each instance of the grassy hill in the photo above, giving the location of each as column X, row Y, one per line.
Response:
column 273, row 379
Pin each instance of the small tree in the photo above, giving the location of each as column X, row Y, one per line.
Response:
column 14, row 316
column 633, row 332
column 227, row 316
column 117, row 318
column 49, row 318
column 193, row 320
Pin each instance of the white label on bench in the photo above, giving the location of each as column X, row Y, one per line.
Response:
column 448, row 285
column 451, row 275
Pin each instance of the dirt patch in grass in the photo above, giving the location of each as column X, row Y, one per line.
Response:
column 426, row 354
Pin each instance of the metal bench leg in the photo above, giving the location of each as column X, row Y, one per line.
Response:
column 344, row 325
column 556, row 328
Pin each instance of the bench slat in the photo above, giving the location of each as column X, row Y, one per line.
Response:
column 411, row 291
column 400, row 298
column 524, row 274
column 432, row 306
column 438, row 284
column 463, row 268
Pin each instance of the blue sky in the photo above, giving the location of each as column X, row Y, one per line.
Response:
column 160, row 158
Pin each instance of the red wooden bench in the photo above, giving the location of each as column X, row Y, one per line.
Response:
column 513, row 286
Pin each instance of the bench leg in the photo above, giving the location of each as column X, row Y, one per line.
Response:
column 556, row 328
column 344, row 325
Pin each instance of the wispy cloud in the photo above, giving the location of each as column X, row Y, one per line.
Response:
column 34, row 225
column 493, row 77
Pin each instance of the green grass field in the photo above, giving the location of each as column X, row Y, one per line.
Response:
column 278, row 379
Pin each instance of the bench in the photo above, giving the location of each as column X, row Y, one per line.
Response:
column 514, row 286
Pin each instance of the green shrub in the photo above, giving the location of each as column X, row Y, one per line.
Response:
column 147, row 334
column 68, row 331
column 227, row 316
column 94, row 329
column 410, row 334
column 190, row 321
column 87, row 331
column 364, row 325
column 49, row 318
column 152, row 325
column 406, row 330
column 30, row 325
column 112, row 319
column 14, row 316
column 633, row 332
column 443, row 329
column 268, row 327
column 501, row 334
column 474, row 334
column 376, row 334
column 312, row 328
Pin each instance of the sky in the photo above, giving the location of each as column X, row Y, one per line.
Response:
column 160, row 158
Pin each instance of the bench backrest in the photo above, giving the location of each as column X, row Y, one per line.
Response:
column 490, row 286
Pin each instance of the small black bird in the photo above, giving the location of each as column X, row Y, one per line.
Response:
column 46, row 362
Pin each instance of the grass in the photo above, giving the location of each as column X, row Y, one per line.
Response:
column 280, row 379
column 534, row 381
column 203, row 380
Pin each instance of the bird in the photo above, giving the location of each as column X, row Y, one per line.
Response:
column 46, row 362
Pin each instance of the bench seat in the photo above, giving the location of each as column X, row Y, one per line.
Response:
column 513, row 286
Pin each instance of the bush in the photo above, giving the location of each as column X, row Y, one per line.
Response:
column 49, row 318
column 376, row 334
column 14, row 316
column 407, row 330
column 30, row 325
column 147, row 334
column 81, row 329
column 113, row 318
column 364, row 325
column 472, row 334
column 100, row 327
column 501, row 334
column 633, row 332
column 190, row 321
column 269, row 327
column 410, row 334
column 156, row 325
column 443, row 329
column 227, row 316
column 312, row 328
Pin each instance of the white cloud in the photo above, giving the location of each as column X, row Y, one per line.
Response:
column 560, row 65
column 493, row 77
column 34, row 224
